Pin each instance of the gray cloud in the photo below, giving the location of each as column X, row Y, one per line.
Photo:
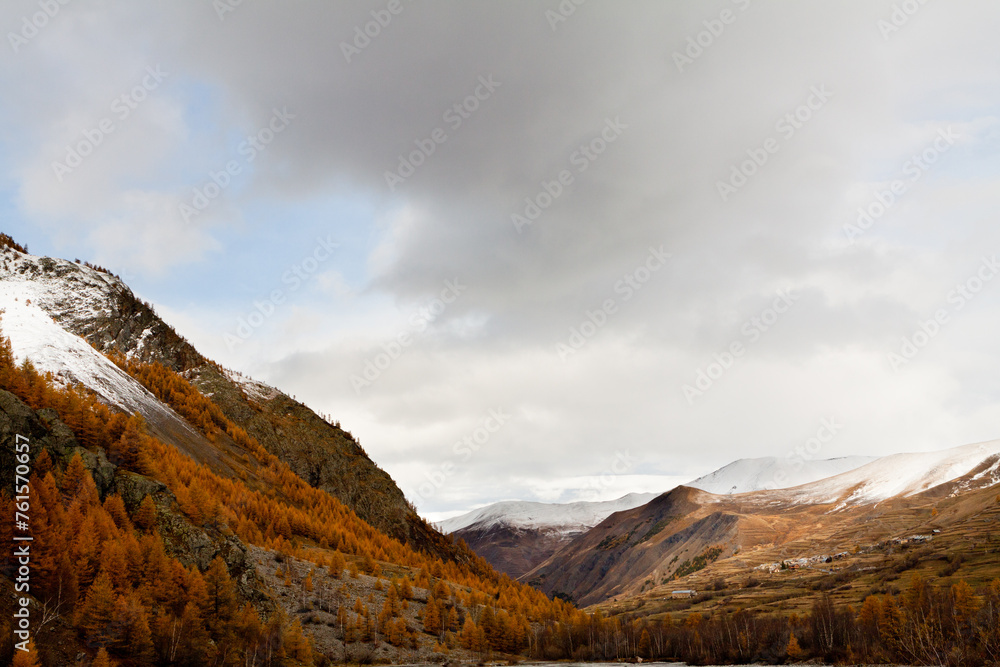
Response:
column 655, row 184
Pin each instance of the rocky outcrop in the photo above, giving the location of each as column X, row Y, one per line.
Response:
column 190, row 544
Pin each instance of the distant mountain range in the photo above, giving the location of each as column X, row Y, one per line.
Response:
column 516, row 536
column 752, row 513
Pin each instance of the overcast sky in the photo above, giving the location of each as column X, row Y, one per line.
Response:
column 540, row 250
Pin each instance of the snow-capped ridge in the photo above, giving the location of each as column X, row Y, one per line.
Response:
column 71, row 293
column 29, row 287
column 771, row 472
column 903, row 475
column 741, row 476
column 560, row 517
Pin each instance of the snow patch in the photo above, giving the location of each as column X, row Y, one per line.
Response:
column 252, row 388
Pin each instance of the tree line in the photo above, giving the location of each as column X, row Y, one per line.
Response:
column 925, row 624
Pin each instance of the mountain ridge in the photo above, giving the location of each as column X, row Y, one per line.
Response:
column 156, row 511
column 99, row 308
column 648, row 546
column 517, row 536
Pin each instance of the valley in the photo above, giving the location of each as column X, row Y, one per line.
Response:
column 172, row 493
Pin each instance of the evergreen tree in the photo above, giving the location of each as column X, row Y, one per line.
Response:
column 102, row 659
column 128, row 450
column 644, row 644
column 195, row 645
column 337, row 565
column 95, row 616
column 392, row 601
column 296, row 645
column 145, row 517
column 114, row 506
column 27, row 658
column 793, row 649
column 221, row 596
column 72, row 481
column 432, row 618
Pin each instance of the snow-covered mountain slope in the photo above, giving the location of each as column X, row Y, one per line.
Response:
column 950, row 494
column 771, row 472
column 34, row 293
column 34, row 335
column 566, row 518
column 96, row 306
column 904, row 475
column 65, row 316
column 73, row 294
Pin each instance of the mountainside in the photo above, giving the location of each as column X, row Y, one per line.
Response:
column 681, row 538
column 515, row 536
column 771, row 472
column 906, row 475
column 66, row 317
column 182, row 515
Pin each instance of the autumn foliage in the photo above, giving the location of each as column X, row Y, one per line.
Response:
column 105, row 568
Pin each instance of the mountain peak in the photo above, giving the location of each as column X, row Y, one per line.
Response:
column 69, row 317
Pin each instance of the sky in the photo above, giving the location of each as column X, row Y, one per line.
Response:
column 546, row 250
